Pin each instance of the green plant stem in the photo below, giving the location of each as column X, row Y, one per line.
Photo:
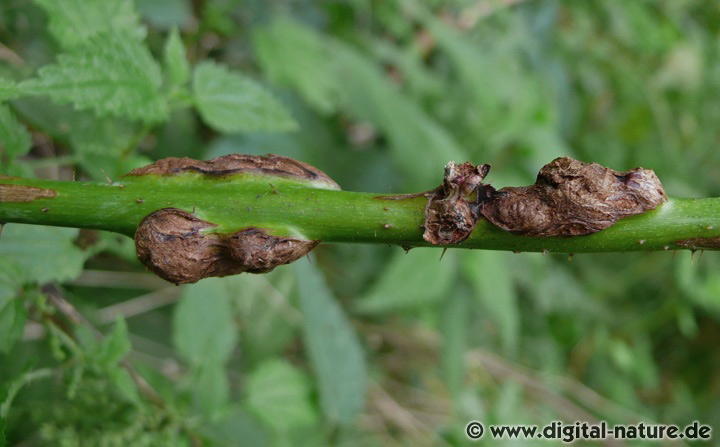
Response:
column 288, row 208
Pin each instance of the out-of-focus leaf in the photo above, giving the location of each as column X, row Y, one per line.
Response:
column 98, row 144
column 8, row 89
column 332, row 75
column 111, row 74
column 333, row 347
column 411, row 280
column 14, row 137
column 203, row 327
column 231, row 102
column 454, row 340
column 234, row 425
column 291, row 54
column 115, row 346
column 176, row 63
column 211, row 388
column 74, row 22
column 488, row 273
column 43, row 253
column 165, row 14
column 12, row 321
column 269, row 322
column 120, row 377
column 279, row 394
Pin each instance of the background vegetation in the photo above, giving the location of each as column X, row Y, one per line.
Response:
column 365, row 345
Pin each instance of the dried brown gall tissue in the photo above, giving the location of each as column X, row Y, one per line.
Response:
column 452, row 210
column 270, row 164
column 569, row 198
column 172, row 244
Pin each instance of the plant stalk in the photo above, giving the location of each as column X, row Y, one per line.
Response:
column 290, row 209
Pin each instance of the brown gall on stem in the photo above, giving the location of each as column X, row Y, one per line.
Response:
column 259, row 252
column 172, row 243
column 23, row 194
column 452, row 210
column 274, row 165
column 572, row 198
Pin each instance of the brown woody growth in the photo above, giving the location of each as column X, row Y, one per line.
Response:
column 569, row 198
column 572, row 198
column 270, row 164
column 178, row 247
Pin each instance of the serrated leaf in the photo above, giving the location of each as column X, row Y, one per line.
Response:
column 411, row 280
column 120, row 377
column 333, row 347
column 231, row 102
column 203, row 327
column 14, row 137
column 112, row 74
column 115, row 346
column 279, row 394
column 43, row 253
column 176, row 63
column 74, row 22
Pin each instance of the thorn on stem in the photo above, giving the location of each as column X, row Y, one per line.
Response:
column 442, row 254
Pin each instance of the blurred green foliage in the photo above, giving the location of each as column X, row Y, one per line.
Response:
column 363, row 345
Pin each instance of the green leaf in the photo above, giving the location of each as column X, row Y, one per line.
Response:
column 291, row 54
column 8, row 89
column 231, row 102
column 203, row 327
column 488, row 273
column 12, row 307
column 166, row 14
column 333, row 347
column 331, row 76
column 14, row 137
column 12, row 321
column 120, row 377
column 454, row 326
column 237, row 422
column 74, row 22
column 176, row 63
column 279, row 394
column 43, row 253
column 115, row 346
column 113, row 75
column 411, row 280
column 211, row 388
